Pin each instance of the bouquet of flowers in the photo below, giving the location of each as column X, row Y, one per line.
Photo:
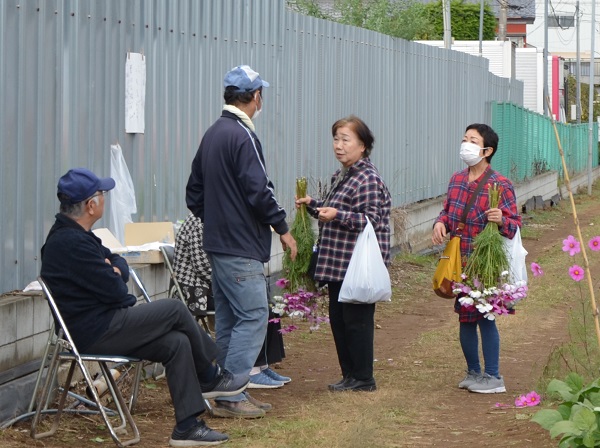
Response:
column 302, row 304
column 297, row 271
column 485, row 286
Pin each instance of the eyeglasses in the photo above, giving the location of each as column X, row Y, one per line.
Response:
column 101, row 193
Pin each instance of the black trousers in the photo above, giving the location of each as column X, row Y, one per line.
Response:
column 164, row 331
column 272, row 350
column 353, row 328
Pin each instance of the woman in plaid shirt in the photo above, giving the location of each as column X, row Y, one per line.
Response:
column 357, row 192
column 479, row 145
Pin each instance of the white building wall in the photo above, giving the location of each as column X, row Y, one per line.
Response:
column 564, row 41
column 500, row 53
column 529, row 69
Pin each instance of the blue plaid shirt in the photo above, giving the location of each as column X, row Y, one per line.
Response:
column 361, row 193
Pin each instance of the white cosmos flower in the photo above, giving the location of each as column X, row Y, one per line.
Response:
column 484, row 308
column 503, row 273
column 475, row 294
column 490, row 316
column 466, row 300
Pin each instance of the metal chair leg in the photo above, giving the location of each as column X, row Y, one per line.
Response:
column 47, row 353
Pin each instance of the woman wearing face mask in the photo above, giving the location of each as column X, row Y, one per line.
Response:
column 479, row 145
column 357, row 192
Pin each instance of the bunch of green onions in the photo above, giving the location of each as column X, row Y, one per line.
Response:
column 488, row 259
column 296, row 271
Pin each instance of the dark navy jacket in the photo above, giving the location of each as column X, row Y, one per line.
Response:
column 230, row 191
column 87, row 290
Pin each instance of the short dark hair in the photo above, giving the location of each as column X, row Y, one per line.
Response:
column 233, row 97
column 490, row 138
column 360, row 127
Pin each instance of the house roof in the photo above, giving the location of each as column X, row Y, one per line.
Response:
column 517, row 9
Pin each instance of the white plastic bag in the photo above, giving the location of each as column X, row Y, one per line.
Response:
column 122, row 197
column 367, row 279
column 516, row 254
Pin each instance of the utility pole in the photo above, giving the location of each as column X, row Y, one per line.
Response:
column 481, row 28
column 578, row 69
column 502, row 20
column 447, row 24
column 545, row 68
column 591, row 99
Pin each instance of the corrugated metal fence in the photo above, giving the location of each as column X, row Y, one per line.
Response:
column 528, row 145
column 62, row 94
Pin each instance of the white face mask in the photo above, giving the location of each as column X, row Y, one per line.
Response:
column 469, row 153
column 258, row 111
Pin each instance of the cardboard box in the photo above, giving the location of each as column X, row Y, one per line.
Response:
column 142, row 240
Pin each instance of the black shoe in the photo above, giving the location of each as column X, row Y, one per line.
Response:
column 225, row 384
column 197, row 435
column 340, row 383
column 356, row 385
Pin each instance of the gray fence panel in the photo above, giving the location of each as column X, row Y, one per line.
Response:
column 62, row 96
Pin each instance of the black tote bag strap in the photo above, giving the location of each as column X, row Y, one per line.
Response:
column 484, row 179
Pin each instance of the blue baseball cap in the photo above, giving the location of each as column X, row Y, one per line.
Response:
column 79, row 184
column 244, row 78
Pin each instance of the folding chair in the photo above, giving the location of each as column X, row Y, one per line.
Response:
column 174, row 287
column 66, row 350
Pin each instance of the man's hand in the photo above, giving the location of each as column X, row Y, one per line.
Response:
column 288, row 241
column 116, row 269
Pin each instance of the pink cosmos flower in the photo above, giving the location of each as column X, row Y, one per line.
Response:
column 594, row 243
column 532, row 398
column 571, row 245
column 576, row 272
column 502, row 405
column 282, row 283
column 537, row 270
column 521, row 401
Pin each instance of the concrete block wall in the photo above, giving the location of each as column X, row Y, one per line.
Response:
column 24, row 331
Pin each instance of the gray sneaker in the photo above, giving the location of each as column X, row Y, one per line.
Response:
column 237, row 409
column 487, row 384
column 471, row 378
column 225, row 384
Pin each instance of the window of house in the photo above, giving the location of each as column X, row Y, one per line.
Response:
column 561, row 21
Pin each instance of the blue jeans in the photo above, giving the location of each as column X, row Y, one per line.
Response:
column 490, row 344
column 241, row 312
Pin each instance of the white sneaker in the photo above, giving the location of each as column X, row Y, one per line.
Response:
column 487, row 384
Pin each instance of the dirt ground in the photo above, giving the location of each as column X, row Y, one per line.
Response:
column 441, row 415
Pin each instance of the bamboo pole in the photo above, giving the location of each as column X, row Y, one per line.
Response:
column 588, row 274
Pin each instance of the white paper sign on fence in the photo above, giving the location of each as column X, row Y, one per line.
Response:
column 135, row 93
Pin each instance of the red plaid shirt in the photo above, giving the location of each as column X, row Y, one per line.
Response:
column 459, row 192
column 361, row 193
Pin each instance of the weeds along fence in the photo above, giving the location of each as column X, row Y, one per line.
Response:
column 528, row 145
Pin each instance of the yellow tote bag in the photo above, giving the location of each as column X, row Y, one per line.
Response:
column 449, row 269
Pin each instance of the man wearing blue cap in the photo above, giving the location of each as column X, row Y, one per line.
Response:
column 229, row 190
column 89, row 284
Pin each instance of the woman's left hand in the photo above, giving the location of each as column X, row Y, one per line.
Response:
column 327, row 214
column 494, row 215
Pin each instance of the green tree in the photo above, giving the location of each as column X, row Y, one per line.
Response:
column 464, row 20
column 405, row 19
column 585, row 95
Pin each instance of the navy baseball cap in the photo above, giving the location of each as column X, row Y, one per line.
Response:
column 79, row 184
column 244, row 78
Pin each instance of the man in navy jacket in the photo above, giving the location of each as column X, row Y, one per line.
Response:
column 89, row 285
column 230, row 191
